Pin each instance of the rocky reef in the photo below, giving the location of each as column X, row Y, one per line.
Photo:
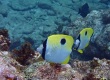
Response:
column 24, row 54
column 99, row 21
column 95, row 69
column 4, row 40
column 9, row 68
column 20, row 65
column 33, row 21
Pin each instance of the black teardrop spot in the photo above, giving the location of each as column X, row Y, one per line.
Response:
column 86, row 33
column 63, row 41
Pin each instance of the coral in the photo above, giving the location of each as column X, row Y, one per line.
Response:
column 8, row 71
column 44, row 6
column 104, row 1
column 24, row 54
column 102, row 42
column 23, row 5
column 4, row 10
column 106, row 18
column 99, row 44
column 42, row 70
column 41, row 13
column 94, row 63
column 98, row 70
column 79, row 70
column 4, row 40
column 90, row 76
column 4, row 32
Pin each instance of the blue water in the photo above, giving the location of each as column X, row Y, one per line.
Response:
column 35, row 20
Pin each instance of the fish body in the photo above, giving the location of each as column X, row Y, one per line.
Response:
column 57, row 48
column 83, row 39
column 84, row 10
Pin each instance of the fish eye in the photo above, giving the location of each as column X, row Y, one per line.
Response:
column 86, row 33
column 63, row 41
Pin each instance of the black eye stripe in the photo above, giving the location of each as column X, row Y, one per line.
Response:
column 86, row 33
column 63, row 41
column 44, row 49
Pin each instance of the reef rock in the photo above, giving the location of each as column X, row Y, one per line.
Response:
column 95, row 69
column 4, row 40
column 8, row 70
column 4, row 10
column 22, row 5
column 43, row 70
column 99, row 45
column 34, row 20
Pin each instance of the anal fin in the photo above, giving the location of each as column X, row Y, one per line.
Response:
column 66, row 60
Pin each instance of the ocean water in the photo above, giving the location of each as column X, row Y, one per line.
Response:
column 35, row 20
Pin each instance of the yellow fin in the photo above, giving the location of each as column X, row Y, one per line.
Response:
column 87, row 45
column 80, row 51
column 66, row 60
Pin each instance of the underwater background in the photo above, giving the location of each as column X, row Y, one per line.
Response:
column 26, row 24
column 35, row 20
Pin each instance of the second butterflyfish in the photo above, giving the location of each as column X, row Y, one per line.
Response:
column 57, row 48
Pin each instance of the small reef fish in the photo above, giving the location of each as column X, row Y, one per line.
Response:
column 57, row 48
column 84, row 10
column 83, row 39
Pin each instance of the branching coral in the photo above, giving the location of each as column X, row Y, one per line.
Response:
column 24, row 54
